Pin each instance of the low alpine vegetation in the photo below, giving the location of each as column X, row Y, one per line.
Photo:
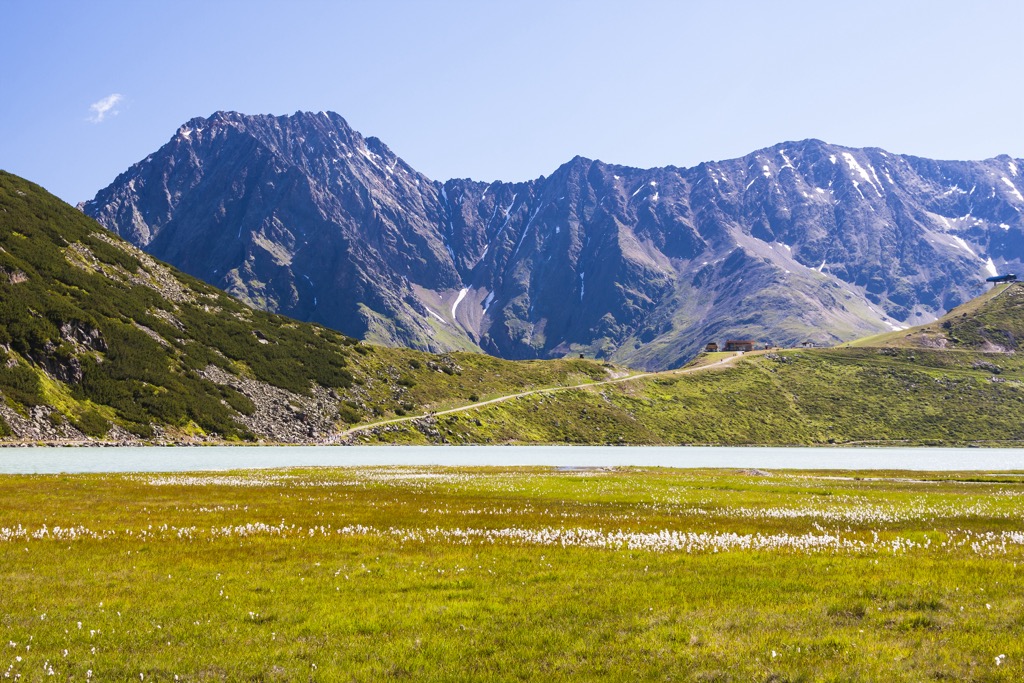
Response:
column 513, row 574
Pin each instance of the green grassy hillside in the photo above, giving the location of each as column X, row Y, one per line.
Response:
column 100, row 341
column 955, row 381
column 799, row 397
column 993, row 321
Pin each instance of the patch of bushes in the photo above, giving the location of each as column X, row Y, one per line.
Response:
column 140, row 429
column 292, row 359
column 238, row 400
column 349, row 413
column 111, row 255
column 20, row 384
column 91, row 423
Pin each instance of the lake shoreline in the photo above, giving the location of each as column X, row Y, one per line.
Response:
column 97, row 459
column 32, row 443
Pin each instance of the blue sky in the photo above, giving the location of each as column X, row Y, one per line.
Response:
column 511, row 90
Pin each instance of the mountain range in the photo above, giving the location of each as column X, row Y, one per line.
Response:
column 101, row 342
column 803, row 241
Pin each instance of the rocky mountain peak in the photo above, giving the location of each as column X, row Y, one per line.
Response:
column 799, row 241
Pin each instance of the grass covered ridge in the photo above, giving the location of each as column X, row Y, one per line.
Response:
column 806, row 397
column 513, row 574
column 991, row 322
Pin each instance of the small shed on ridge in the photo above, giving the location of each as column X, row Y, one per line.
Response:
column 740, row 345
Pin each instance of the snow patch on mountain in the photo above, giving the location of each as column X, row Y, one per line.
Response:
column 858, row 169
column 1013, row 188
column 963, row 245
column 458, row 300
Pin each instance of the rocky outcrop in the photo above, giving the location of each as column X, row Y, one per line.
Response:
column 37, row 424
column 281, row 416
column 13, row 275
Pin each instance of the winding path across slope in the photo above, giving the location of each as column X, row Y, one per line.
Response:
column 548, row 390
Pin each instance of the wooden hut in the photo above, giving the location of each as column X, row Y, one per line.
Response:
column 740, row 345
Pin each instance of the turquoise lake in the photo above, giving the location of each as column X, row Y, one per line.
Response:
column 44, row 460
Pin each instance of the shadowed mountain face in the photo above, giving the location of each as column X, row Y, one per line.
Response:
column 802, row 241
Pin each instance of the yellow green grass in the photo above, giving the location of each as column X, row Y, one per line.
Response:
column 798, row 397
column 998, row 309
column 506, row 574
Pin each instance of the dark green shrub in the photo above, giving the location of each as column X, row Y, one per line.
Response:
column 91, row 424
column 349, row 413
column 238, row 401
column 20, row 383
column 141, row 430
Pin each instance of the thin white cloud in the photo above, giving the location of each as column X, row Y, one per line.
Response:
column 106, row 106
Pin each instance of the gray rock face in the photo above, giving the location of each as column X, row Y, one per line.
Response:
column 804, row 241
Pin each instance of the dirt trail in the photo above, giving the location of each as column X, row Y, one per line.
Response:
column 549, row 390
